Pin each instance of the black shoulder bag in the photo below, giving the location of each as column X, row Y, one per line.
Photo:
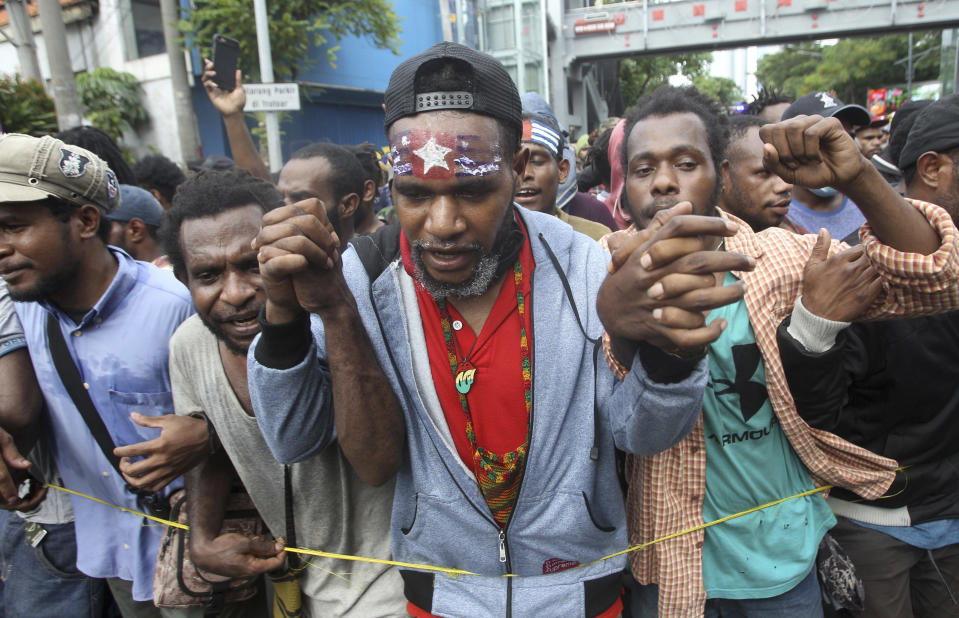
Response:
column 151, row 503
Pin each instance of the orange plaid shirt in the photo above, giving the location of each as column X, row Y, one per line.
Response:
column 666, row 490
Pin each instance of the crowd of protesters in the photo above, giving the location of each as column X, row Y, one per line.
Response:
column 695, row 364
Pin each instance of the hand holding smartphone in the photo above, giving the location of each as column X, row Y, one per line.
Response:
column 225, row 54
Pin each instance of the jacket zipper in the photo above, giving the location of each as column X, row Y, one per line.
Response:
column 503, row 556
column 503, row 544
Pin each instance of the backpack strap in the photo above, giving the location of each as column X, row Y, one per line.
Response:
column 377, row 250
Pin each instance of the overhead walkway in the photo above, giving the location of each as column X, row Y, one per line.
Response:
column 589, row 34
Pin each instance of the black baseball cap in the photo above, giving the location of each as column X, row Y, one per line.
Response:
column 824, row 104
column 936, row 129
column 484, row 86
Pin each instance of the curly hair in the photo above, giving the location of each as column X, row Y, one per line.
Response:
column 207, row 194
column 369, row 158
column 157, row 173
column 764, row 99
column 667, row 100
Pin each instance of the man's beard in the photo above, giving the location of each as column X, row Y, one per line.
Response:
column 220, row 334
column 485, row 272
column 46, row 286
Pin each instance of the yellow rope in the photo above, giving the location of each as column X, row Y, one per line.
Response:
column 713, row 523
column 455, row 572
column 295, row 550
column 159, row 520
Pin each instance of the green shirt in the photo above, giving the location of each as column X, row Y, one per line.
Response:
column 750, row 462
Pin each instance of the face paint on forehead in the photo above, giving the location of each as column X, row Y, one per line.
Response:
column 436, row 154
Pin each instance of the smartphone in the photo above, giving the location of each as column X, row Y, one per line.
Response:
column 225, row 54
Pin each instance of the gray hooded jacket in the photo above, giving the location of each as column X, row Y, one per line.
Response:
column 570, row 507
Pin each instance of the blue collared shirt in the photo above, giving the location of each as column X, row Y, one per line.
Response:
column 121, row 350
column 11, row 333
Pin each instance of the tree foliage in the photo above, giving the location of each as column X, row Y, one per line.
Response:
column 850, row 67
column 643, row 74
column 111, row 100
column 723, row 89
column 25, row 107
column 784, row 71
column 296, row 26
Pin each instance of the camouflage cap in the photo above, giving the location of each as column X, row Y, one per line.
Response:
column 35, row 168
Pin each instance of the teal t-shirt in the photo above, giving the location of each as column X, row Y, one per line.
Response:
column 749, row 462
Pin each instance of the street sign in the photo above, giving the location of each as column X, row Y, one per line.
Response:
column 272, row 97
column 592, row 27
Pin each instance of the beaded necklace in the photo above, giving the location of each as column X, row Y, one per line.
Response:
column 498, row 475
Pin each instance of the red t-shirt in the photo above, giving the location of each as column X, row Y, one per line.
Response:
column 497, row 396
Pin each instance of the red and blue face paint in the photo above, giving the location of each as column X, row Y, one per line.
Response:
column 440, row 155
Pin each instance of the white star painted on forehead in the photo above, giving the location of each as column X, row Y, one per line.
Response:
column 433, row 155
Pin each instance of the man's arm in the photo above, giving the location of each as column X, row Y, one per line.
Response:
column 656, row 403
column 649, row 415
column 812, row 151
column 661, row 282
column 20, row 405
column 230, row 554
column 302, row 273
column 289, row 384
column 817, row 381
column 813, row 342
column 230, row 105
column 20, row 397
column 208, row 487
column 182, row 443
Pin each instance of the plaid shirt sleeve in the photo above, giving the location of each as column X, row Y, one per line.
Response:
column 917, row 284
column 666, row 490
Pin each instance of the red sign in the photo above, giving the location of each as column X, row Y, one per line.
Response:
column 592, row 27
column 699, row 10
column 659, row 14
column 877, row 102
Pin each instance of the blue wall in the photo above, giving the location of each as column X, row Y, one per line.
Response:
column 342, row 104
column 360, row 65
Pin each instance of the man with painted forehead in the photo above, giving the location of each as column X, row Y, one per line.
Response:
column 481, row 316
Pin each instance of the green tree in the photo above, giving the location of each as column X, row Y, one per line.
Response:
column 111, row 100
column 643, row 74
column 295, row 27
column 850, row 67
column 785, row 70
column 723, row 89
column 25, row 107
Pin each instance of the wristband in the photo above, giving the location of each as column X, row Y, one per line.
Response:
column 214, row 441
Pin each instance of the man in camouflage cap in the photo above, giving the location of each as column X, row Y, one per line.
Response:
column 114, row 317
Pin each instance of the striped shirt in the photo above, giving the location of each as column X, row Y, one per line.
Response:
column 666, row 490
